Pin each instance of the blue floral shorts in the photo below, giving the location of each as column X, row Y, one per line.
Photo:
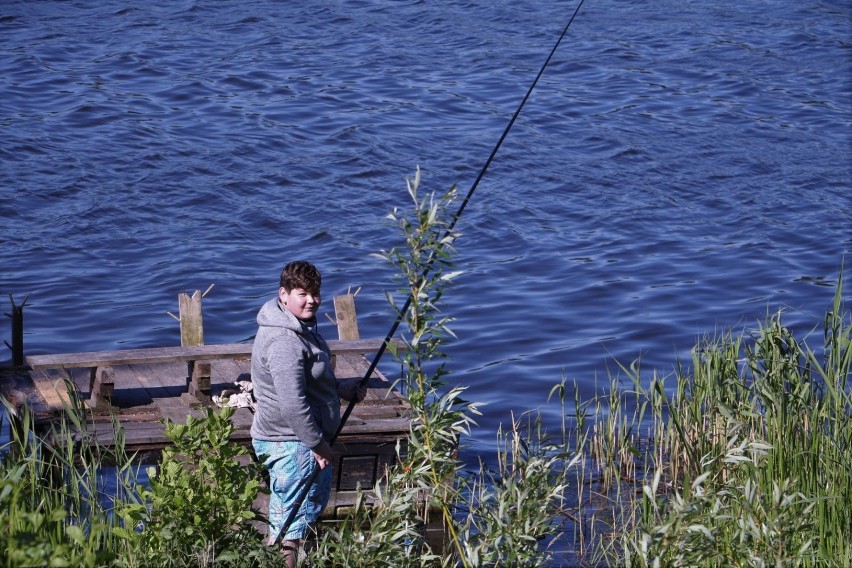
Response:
column 290, row 465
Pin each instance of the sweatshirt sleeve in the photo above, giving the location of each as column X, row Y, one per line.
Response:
column 287, row 366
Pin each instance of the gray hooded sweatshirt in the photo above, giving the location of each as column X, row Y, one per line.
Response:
column 293, row 382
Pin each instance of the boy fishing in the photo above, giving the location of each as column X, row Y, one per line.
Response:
column 298, row 404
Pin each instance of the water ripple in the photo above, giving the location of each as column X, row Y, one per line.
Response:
column 680, row 168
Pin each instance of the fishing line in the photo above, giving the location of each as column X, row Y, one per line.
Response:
column 409, row 300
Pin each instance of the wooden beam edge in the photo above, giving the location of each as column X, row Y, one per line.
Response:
column 172, row 354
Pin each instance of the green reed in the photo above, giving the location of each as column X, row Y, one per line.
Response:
column 53, row 509
column 745, row 460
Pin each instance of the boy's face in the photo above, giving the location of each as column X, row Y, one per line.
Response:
column 300, row 302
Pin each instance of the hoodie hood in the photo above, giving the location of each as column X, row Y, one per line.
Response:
column 273, row 314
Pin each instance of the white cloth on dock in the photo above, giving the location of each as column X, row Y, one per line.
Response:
column 242, row 398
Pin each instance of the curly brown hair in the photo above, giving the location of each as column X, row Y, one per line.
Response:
column 301, row 274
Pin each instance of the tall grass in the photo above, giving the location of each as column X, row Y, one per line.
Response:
column 65, row 500
column 53, row 507
column 746, row 461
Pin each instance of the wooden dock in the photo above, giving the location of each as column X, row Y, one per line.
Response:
column 142, row 388
column 145, row 393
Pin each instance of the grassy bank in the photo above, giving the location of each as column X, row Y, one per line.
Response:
column 742, row 457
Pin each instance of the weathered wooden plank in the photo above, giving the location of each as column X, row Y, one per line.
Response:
column 161, row 380
column 137, row 437
column 81, row 377
column 137, row 356
column 199, row 379
column 242, row 419
column 357, row 471
column 127, row 390
column 101, row 386
column 368, row 413
column 145, row 435
column 50, row 384
column 177, row 409
column 360, row 463
column 350, row 365
column 169, row 354
column 229, row 371
column 399, row 425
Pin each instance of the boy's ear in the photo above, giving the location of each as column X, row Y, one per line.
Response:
column 282, row 295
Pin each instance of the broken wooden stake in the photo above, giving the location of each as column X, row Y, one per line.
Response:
column 347, row 319
column 17, row 345
column 191, row 321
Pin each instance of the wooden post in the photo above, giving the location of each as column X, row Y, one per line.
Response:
column 101, row 386
column 17, row 345
column 347, row 323
column 199, row 380
column 191, row 324
column 347, row 319
column 191, row 334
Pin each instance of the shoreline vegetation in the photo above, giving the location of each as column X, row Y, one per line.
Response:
column 740, row 458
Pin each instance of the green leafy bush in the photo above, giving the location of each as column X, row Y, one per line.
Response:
column 198, row 508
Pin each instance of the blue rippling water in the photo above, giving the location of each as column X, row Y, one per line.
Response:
column 681, row 168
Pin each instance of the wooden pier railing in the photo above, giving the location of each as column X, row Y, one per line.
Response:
column 197, row 359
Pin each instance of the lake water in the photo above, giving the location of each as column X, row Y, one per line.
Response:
column 682, row 168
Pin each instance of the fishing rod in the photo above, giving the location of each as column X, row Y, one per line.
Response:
column 363, row 382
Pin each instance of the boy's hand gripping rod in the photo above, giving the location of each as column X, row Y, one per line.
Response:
column 315, row 471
